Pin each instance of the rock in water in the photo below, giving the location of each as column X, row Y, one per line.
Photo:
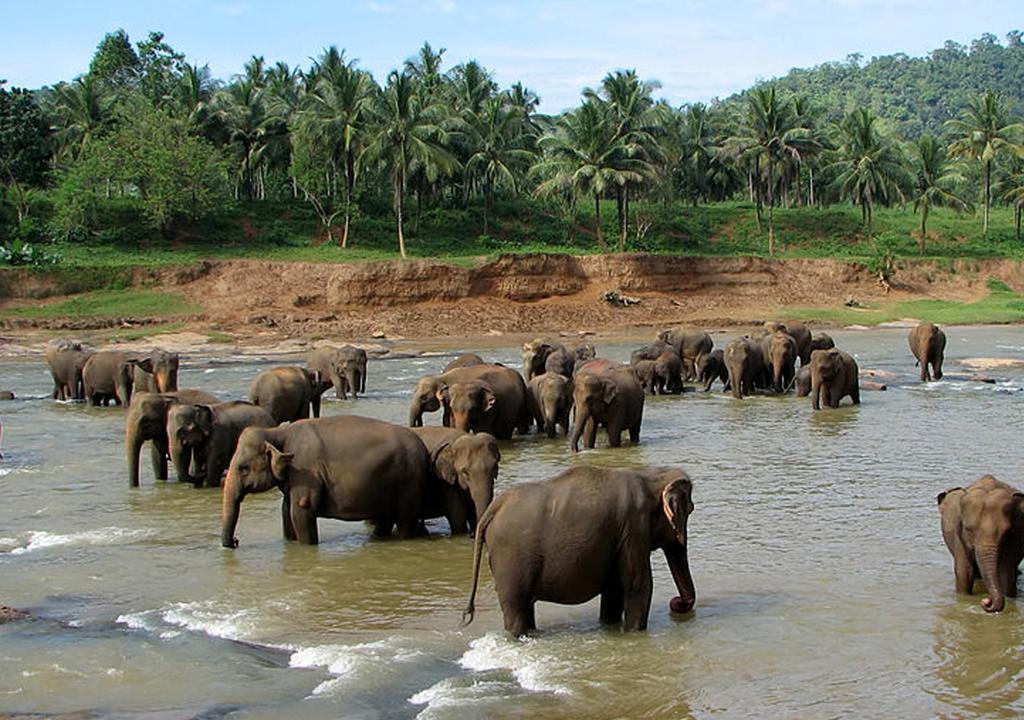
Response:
column 9, row 614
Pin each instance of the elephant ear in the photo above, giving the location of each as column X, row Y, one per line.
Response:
column 444, row 466
column 1018, row 500
column 280, row 462
column 676, row 502
column 610, row 391
column 942, row 495
column 145, row 364
column 204, row 419
column 489, row 399
column 442, row 394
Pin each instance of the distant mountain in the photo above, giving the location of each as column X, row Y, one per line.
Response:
column 916, row 94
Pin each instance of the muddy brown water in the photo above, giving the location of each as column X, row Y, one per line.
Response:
column 823, row 586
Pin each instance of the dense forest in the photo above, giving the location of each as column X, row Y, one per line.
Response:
column 146, row 139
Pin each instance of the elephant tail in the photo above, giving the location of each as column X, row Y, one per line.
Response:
column 478, row 544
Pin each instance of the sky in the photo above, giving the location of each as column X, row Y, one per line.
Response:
column 696, row 50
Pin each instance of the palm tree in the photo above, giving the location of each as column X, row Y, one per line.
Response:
column 585, row 158
column 698, row 149
column 337, row 109
column 934, row 182
column 407, row 137
column 983, row 133
column 768, row 137
column 192, row 95
column 869, row 167
column 503, row 148
column 82, row 110
column 243, row 108
column 1014, row 194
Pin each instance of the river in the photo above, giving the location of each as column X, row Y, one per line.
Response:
column 823, row 585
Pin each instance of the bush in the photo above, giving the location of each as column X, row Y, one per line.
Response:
column 22, row 253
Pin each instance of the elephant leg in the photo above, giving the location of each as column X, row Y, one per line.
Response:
column 315, row 405
column 590, row 433
column 304, row 522
column 855, row 394
column 518, row 614
column 635, row 575
column 456, row 511
column 614, row 434
column 382, row 527
column 634, row 433
column 158, row 456
column 612, row 605
column 446, row 420
column 287, row 526
column 410, row 527
column 964, row 571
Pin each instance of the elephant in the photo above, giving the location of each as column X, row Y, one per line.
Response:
column 287, row 392
column 834, row 375
column 711, row 367
column 66, row 359
column 800, row 334
column 983, row 526
column 147, row 420
column 464, row 360
column 928, row 343
column 644, row 370
column 586, row 532
column 465, row 468
column 609, row 394
column 552, row 402
column 803, row 381
column 689, row 342
column 662, row 375
column 820, row 341
column 744, row 361
column 584, row 352
column 342, row 368
column 562, row 362
column 345, row 467
column 489, row 398
column 780, row 356
column 535, row 355
column 649, row 352
column 208, row 434
column 157, row 371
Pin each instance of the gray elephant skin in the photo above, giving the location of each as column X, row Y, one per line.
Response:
column 744, row 361
column 345, row 467
column 66, row 359
column 800, row 334
column 465, row 468
column 928, row 344
column 780, row 356
column 287, row 392
column 464, row 360
column 535, row 356
column 487, row 398
column 343, row 368
column 112, row 375
column 834, row 375
column 147, row 420
column 585, row 533
column 208, row 434
column 552, row 401
column 983, row 526
column 711, row 367
column 606, row 394
column 689, row 343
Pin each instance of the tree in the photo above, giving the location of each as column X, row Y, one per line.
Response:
column 245, row 111
column 24, row 155
column 407, row 137
column 115, row 61
column 160, row 67
column 81, row 112
column 868, row 168
column 935, row 181
column 983, row 133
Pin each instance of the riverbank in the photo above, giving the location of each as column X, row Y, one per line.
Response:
column 262, row 304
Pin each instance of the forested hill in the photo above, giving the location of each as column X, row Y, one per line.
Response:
column 916, row 94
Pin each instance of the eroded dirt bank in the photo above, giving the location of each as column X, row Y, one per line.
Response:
column 523, row 294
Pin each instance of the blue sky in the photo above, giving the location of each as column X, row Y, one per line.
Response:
column 698, row 50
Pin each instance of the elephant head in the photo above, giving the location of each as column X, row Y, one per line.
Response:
column 426, row 399
column 146, row 419
column 673, row 503
column 470, row 462
column 584, row 352
column 740, row 355
column 781, row 354
column 592, row 396
column 825, row 366
column 161, row 366
column 987, row 521
column 554, row 398
column 257, row 466
column 189, row 427
column 535, row 356
column 468, row 403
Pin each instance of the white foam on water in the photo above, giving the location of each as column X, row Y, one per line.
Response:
column 213, row 619
column 4, row 471
column 351, row 662
column 457, row 693
column 526, row 659
column 140, row 621
column 41, row 540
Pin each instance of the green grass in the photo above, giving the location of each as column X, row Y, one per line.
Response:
column 107, row 304
column 221, row 338
column 1001, row 306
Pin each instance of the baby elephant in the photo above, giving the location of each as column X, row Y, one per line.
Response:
column 552, row 402
column 928, row 343
column 587, row 532
column 209, row 434
column 834, row 375
column 711, row 367
column 983, row 526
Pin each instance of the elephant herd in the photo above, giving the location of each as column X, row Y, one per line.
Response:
column 540, row 546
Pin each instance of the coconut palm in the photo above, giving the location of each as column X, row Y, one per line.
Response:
column 984, row 133
column 82, row 110
column 503, row 148
column 408, row 136
column 248, row 117
column 935, row 181
column 192, row 95
column 585, row 158
column 869, row 167
column 1014, row 194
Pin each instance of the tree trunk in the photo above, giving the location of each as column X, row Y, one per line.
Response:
column 597, row 222
column 988, row 192
column 810, row 183
column 399, row 182
column 625, row 219
column 771, row 231
column 1016, row 219
column 487, row 207
column 924, row 225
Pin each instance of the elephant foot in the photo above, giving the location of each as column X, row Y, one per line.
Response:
column 680, row 606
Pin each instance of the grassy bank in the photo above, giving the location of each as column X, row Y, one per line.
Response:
column 106, row 304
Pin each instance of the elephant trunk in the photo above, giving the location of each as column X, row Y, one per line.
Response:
column 415, row 414
column 481, row 494
column 679, row 565
column 462, row 421
column 815, row 391
column 736, row 379
column 778, row 363
column 582, row 416
column 166, row 381
column 549, row 428
column 181, row 456
column 231, row 501
column 133, row 445
column 352, row 378
column 988, row 563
